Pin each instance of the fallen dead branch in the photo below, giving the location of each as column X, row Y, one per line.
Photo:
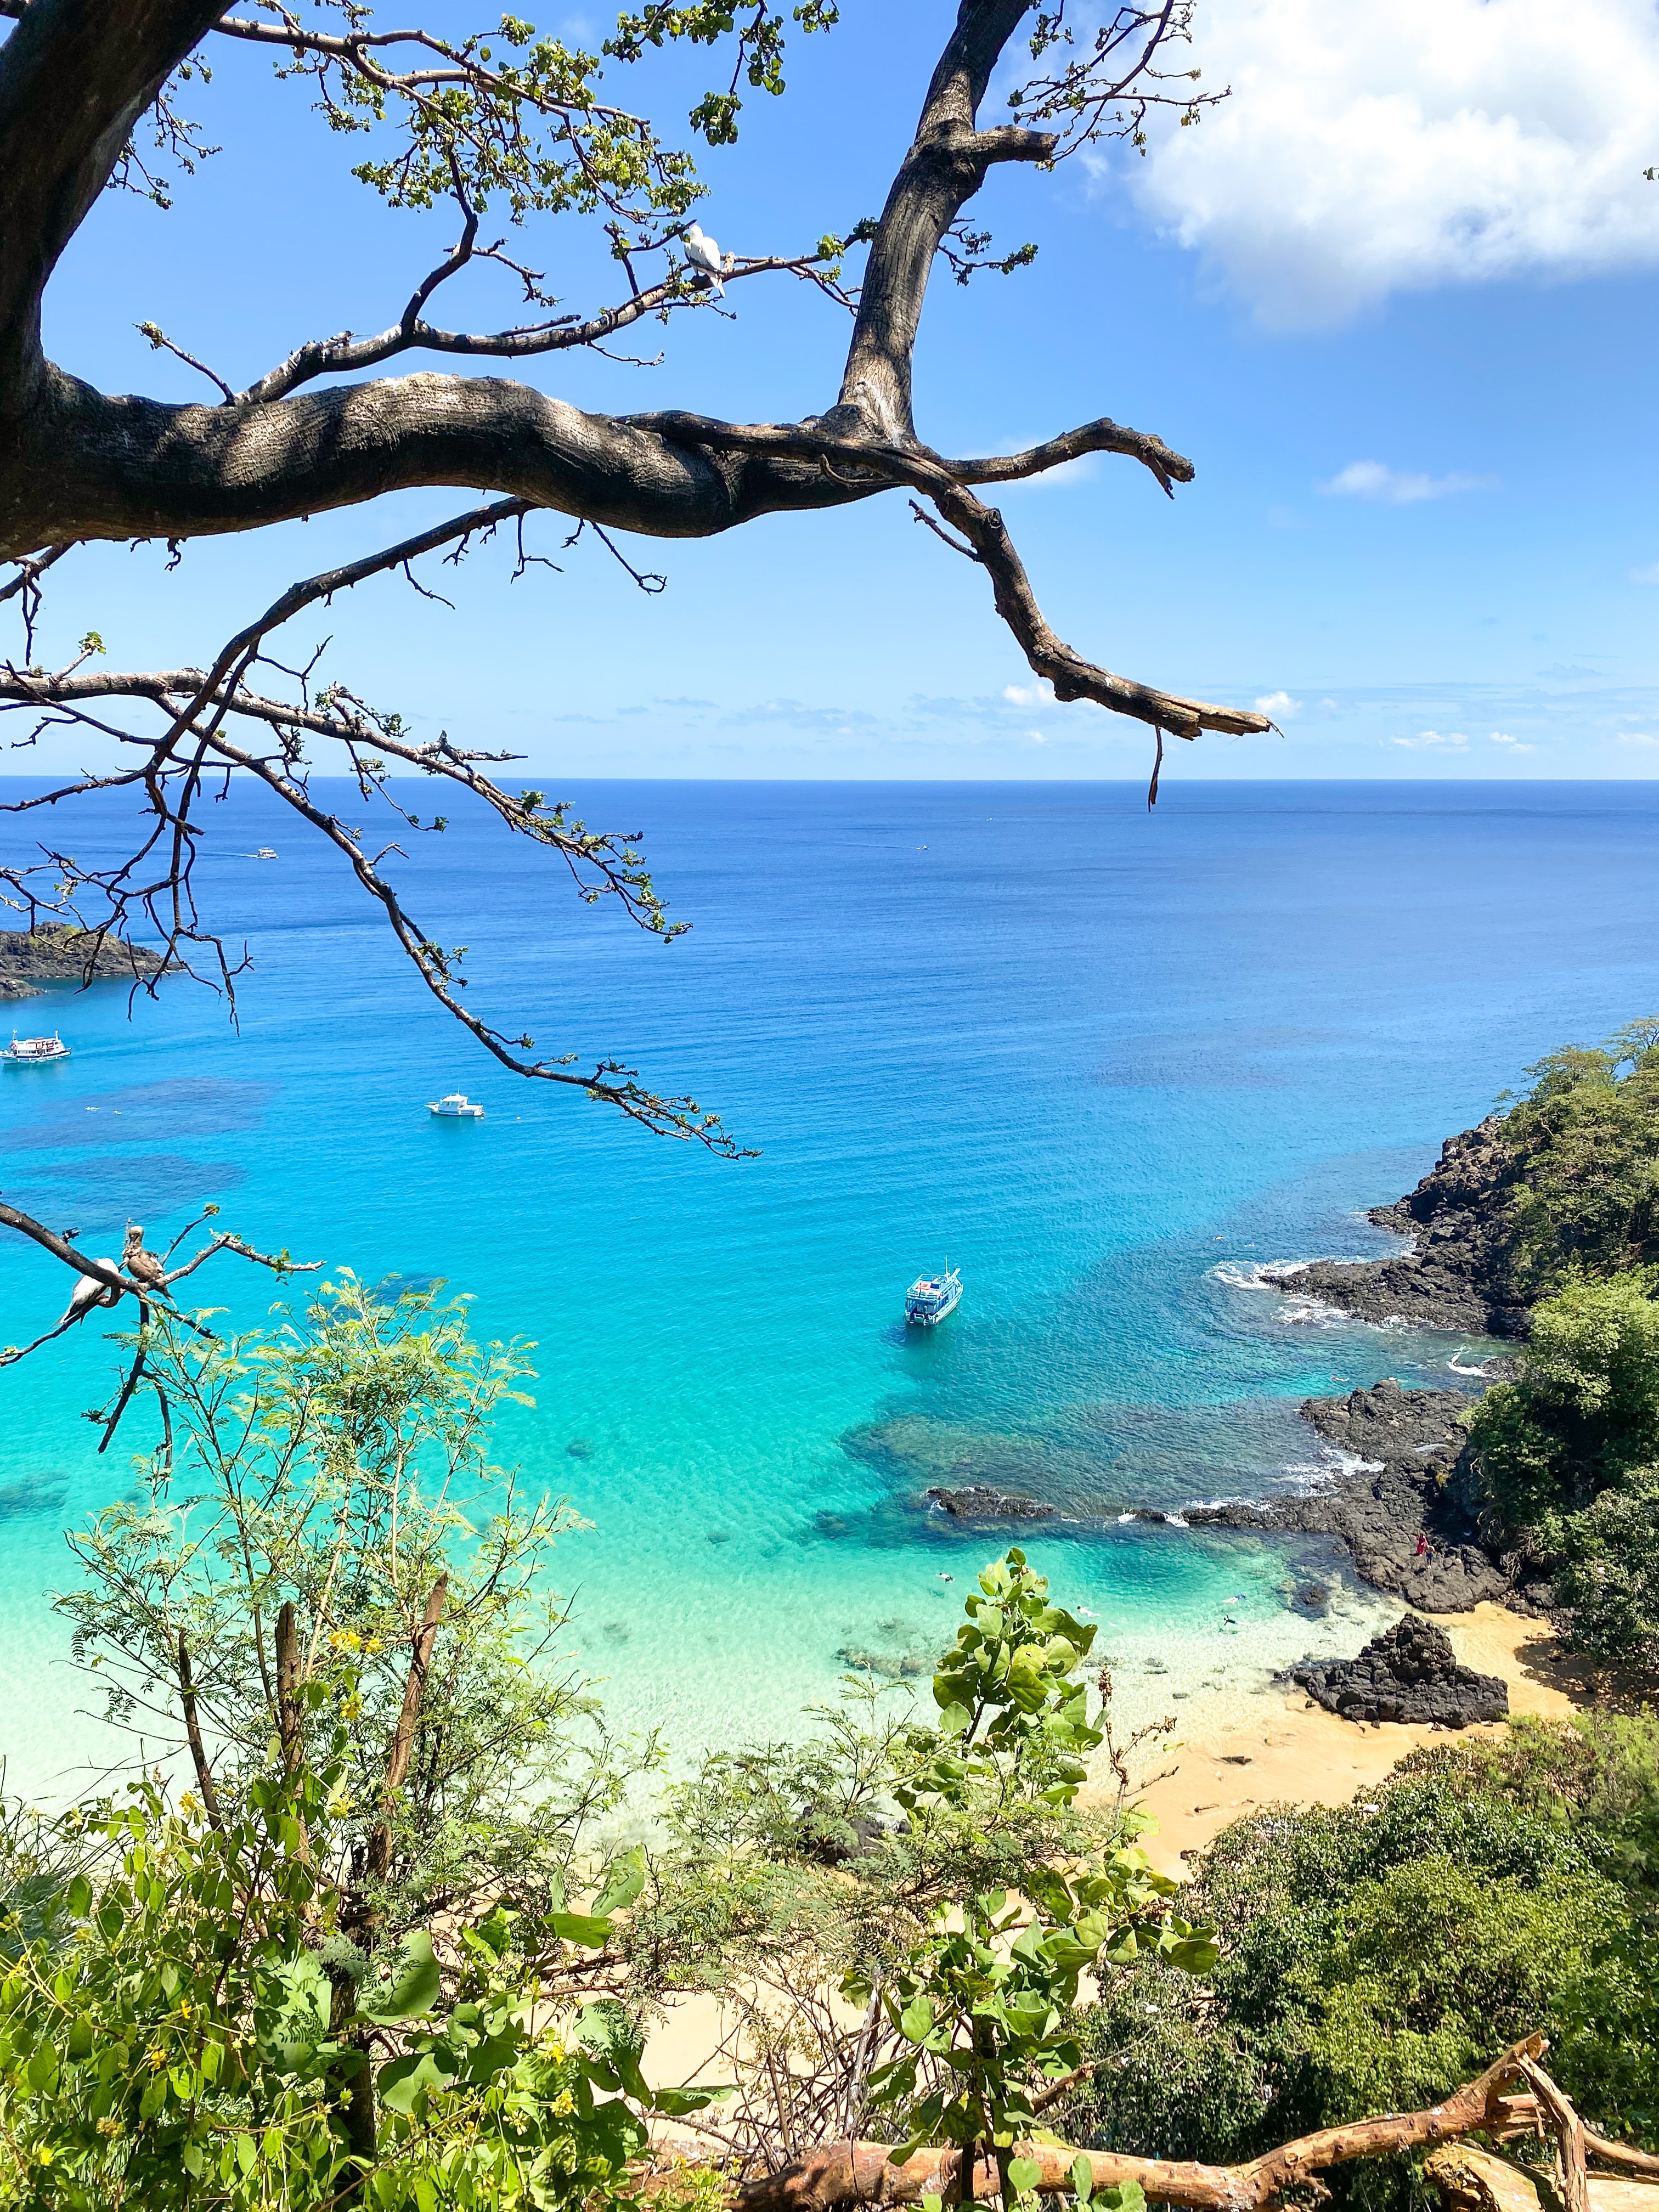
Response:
column 865, row 2174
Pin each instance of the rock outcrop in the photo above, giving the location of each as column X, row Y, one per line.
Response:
column 979, row 1502
column 1398, row 1515
column 56, row 952
column 1457, row 1275
column 1409, row 1674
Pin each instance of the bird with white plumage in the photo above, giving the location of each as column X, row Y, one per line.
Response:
column 89, row 1292
column 704, row 254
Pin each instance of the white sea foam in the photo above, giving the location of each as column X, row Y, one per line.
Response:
column 1457, row 1367
column 1318, row 1475
column 1293, row 1308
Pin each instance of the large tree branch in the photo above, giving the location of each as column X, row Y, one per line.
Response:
column 865, row 2174
column 944, row 168
column 74, row 77
column 88, row 465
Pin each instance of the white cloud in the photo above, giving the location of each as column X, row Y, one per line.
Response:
column 1399, row 487
column 1040, row 693
column 1367, row 151
column 1278, row 703
column 1513, row 744
column 1648, row 576
column 1637, row 738
column 1432, row 741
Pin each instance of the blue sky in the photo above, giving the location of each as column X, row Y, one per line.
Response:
column 1396, row 300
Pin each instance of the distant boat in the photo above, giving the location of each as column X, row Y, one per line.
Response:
column 930, row 1297
column 36, row 1048
column 264, row 852
column 456, row 1107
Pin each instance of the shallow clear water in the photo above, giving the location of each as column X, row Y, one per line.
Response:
column 1107, row 1064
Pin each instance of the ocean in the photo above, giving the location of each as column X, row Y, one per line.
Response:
column 1107, row 1063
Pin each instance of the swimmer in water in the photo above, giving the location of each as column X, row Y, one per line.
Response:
column 947, row 1578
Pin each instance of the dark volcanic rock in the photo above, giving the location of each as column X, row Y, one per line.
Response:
column 55, row 952
column 836, row 1837
column 979, row 1502
column 1458, row 1275
column 1380, row 1511
column 1409, row 1674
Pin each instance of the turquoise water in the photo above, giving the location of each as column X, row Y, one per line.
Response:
column 1092, row 1057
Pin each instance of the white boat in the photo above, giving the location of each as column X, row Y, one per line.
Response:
column 930, row 1297
column 266, row 853
column 455, row 1106
column 37, row 1048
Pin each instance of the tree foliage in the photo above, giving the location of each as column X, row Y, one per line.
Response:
column 1371, row 1953
column 1585, row 1141
column 336, row 1462
column 1567, row 1456
column 188, row 2023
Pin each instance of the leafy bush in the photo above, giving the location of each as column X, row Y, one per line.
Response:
column 1585, row 1144
column 1584, row 1413
column 1375, row 1955
column 187, row 2024
column 1566, row 1457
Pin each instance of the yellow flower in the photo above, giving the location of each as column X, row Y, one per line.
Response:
column 564, row 2104
column 158, row 2059
column 109, row 2125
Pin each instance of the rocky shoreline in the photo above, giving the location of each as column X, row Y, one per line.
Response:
column 1456, row 1274
column 1402, row 1514
column 1402, row 1500
column 58, row 952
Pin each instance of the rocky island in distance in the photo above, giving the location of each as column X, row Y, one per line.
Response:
column 58, row 952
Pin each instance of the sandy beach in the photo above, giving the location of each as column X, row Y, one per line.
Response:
column 1289, row 1751
column 1296, row 1753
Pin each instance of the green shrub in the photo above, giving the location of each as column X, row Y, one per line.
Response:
column 1585, row 1144
column 1584, row 1413
column 1375, row 1955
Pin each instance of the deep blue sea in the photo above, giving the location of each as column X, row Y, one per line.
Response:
column 1107, row 1063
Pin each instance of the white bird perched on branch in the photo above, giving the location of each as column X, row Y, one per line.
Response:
column 86, row 1294
column 703, row 253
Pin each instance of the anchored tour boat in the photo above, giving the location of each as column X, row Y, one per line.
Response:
column 930, row 1297
column 34, row 1049
column 456, row 1107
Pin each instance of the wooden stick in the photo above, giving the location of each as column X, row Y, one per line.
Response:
column 403, row 1743
column 193, row 1733
column 1569, row 2132
column 289, row 1720
column 1618, row 2154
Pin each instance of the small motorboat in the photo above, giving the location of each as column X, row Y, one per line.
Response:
column 266, row 853
column 32, row 1049
column 456, row 1106
column 931, row 1298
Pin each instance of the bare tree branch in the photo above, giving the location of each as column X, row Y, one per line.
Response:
column 83, row 465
